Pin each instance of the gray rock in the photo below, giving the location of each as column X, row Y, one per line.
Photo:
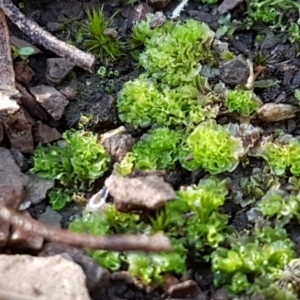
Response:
column 37, row 189
column 149, row 192
column 20, row 159
column 43, row 278
column 51, row 99
column 51, row 217
column 235, row 71
column 57, row 69
column 97, row 277
column 158, row 20
column 12, row 187
column 44, row 134
column 228, row 5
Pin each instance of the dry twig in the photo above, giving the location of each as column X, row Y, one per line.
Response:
column 38, row 35
column 114, row 242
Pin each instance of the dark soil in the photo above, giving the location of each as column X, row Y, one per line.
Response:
column 97, row 97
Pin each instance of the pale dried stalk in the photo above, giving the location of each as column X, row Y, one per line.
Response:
column 38, row 35
column 114, row 242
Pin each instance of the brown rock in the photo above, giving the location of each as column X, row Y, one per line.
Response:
column 186, row 290
column 23, row 73
column 97, row 277
column 18, row 127
column 57, row 69
column 44, row 278
column 52, row 100
column 149, row 192
column 117, row 145
column 12, row 187
column 158, row 4
column 44, row 134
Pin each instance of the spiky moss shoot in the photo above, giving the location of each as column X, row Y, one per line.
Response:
column 242, row 102
column 102, row 45
column 213, row 148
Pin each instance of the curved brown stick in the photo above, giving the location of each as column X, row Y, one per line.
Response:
column 114, row 242
column 38, row 35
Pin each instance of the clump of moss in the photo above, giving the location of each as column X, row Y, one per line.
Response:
column 156, row 150
column 283, row 157
column 242, row 102
column 75, row 163
column 213, row 148
column 104, row 46
column 142, row 103
column 174, row 51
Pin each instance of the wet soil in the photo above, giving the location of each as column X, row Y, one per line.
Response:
column 97, row 97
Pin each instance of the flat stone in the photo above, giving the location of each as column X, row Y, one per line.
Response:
column 51, row 99
column 51, row 217
column 149, row 192
column 37, row 189
column 97, row 277
column 43, row 278
column 57, row 69
column 44, row 134
column 235, row 71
